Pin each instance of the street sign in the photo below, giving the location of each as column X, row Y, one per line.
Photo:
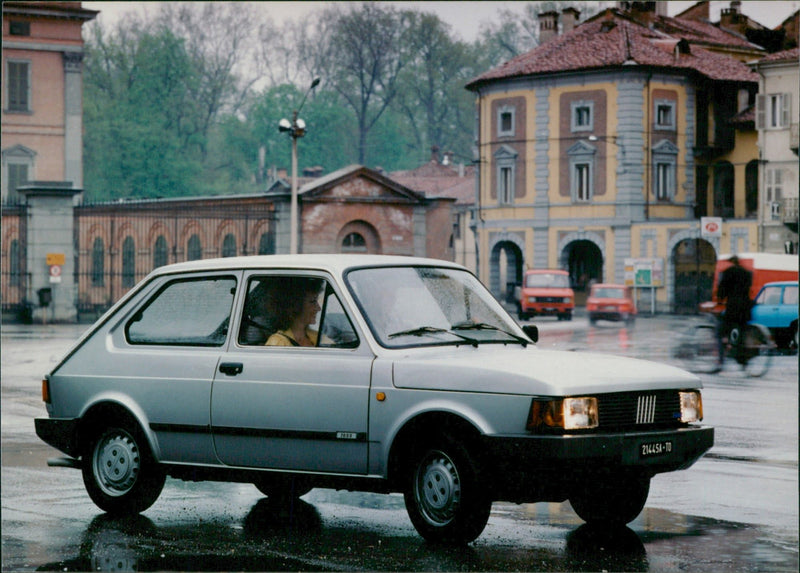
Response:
column 56, row 259
column 55, row 273
column 711, row 226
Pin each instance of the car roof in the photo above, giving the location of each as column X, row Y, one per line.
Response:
column 781, row 283
column 334, row 263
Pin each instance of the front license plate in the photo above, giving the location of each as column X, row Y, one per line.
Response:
column 652, row 449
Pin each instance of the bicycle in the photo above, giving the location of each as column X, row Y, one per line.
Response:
column 698, row 348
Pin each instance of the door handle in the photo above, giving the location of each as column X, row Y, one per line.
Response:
column 231, row 368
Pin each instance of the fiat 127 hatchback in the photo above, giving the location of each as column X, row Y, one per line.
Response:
column 359, row 372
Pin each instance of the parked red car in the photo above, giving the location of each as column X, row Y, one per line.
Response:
column 610, row 302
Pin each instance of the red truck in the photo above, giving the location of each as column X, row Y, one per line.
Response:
column 766, row 268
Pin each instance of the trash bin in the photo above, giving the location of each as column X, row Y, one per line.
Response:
column 45, row 296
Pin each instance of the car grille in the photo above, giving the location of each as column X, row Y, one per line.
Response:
column 638, row 410
column 549, row 298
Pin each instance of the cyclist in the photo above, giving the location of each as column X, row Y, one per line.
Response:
column 734, row 289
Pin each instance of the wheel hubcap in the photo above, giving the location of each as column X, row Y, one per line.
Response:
column 116, row 463
column 438, row 488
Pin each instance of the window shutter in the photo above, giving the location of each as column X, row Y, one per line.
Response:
column 786, row 102
column 761, row 105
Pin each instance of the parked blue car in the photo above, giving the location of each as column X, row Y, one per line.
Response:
column 776, row 308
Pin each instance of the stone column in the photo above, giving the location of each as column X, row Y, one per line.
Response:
column 50, row 232
column 73, row 119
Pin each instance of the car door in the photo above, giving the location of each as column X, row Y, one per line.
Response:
column 767, row 310
column 293, row 407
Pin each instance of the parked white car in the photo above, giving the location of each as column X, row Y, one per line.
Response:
column 417, row 382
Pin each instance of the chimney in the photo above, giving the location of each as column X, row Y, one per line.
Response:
column 645, row 12
column 548, row 26
column 434, row 154
column 448, row 158
column 569, row 18
column 732, row 18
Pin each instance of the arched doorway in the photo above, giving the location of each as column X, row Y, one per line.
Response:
column 505, row 271
column 694, row 261
column 584, row 262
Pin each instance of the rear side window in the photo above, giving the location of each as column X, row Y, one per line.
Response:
column 790, row 295
column 188, row 312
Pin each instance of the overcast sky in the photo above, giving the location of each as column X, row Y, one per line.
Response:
column 464, row 17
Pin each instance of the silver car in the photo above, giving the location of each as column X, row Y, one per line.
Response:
column 371, row 373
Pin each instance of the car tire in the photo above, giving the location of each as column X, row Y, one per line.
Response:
column 443, row 494
column 119, row 471
column 282, row 487
column 613, row 500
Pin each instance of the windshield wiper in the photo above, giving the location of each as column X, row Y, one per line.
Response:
column 469, row 325
column 421, row 330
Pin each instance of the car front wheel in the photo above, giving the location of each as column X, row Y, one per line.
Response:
column 443, row 496
column 611, row 500
column 119, row 471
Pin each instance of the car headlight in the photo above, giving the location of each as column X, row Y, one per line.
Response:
column 566, row 414
column 691, row 406
column 567, row 299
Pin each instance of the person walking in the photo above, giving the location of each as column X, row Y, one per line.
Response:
column 734, row 289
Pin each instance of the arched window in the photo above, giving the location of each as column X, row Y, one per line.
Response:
column 354, row 243
column 98, row 262
column 229, row 246
column 13, row 263
column 194, row 250
column 751, row 188
column 266, row 245
column 160, row 252
column 128, row 262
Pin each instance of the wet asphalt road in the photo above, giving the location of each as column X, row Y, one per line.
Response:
column 734, row 510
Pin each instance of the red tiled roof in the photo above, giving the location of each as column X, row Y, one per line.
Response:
column 785, row 55
column 462, row 189
column 614, row 41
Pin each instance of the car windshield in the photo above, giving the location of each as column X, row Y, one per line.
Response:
column 413, row 306
column 547, row 280
column 605, row 292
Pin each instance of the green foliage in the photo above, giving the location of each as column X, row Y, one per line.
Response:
column 169, row 107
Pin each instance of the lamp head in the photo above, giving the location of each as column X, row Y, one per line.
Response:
column 284, row 125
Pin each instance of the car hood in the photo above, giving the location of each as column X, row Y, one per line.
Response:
column 540, row 291
column 532, row 371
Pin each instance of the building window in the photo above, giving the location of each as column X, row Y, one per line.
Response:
column 18, row 86
column 724, row 184
column 266, row 245
column 98, row 262
column 128, row 262
column 506, row 122
column 773, row 192
column 582, row 116
column 18, row 170
column 17, row 28
column 663, row 182
column 773, row 111
column 160, row 252
column 354, row 243
column 581, row 171
column 194, row 250
column 13, row 263
column 506, row 159
column 751, row 188
column 17, row 177
column 665, row 161
column 229, row 246
column 582, row 181
column 665, row 115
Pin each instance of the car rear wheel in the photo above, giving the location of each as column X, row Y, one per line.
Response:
column 119, row 471
column 443, row 496
column 611, row 500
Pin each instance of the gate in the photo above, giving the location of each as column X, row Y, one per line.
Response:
column 118, row 244
column 14, row 276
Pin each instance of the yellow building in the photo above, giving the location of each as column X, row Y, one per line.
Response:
column 602, row 150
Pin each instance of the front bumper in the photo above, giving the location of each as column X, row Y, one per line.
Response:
column 544, row 467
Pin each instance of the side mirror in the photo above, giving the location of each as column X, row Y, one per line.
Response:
column 531, row 331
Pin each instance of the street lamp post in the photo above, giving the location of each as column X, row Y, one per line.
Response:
column 296, row 129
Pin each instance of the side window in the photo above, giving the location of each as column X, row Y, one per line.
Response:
column 770, row 295
column 790, row 295
column 291, row 311
column 185, row 312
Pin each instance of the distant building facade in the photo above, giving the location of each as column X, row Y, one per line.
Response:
column 602, row 149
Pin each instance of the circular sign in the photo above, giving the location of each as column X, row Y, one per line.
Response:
column 712, row 227
column 55, row 270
